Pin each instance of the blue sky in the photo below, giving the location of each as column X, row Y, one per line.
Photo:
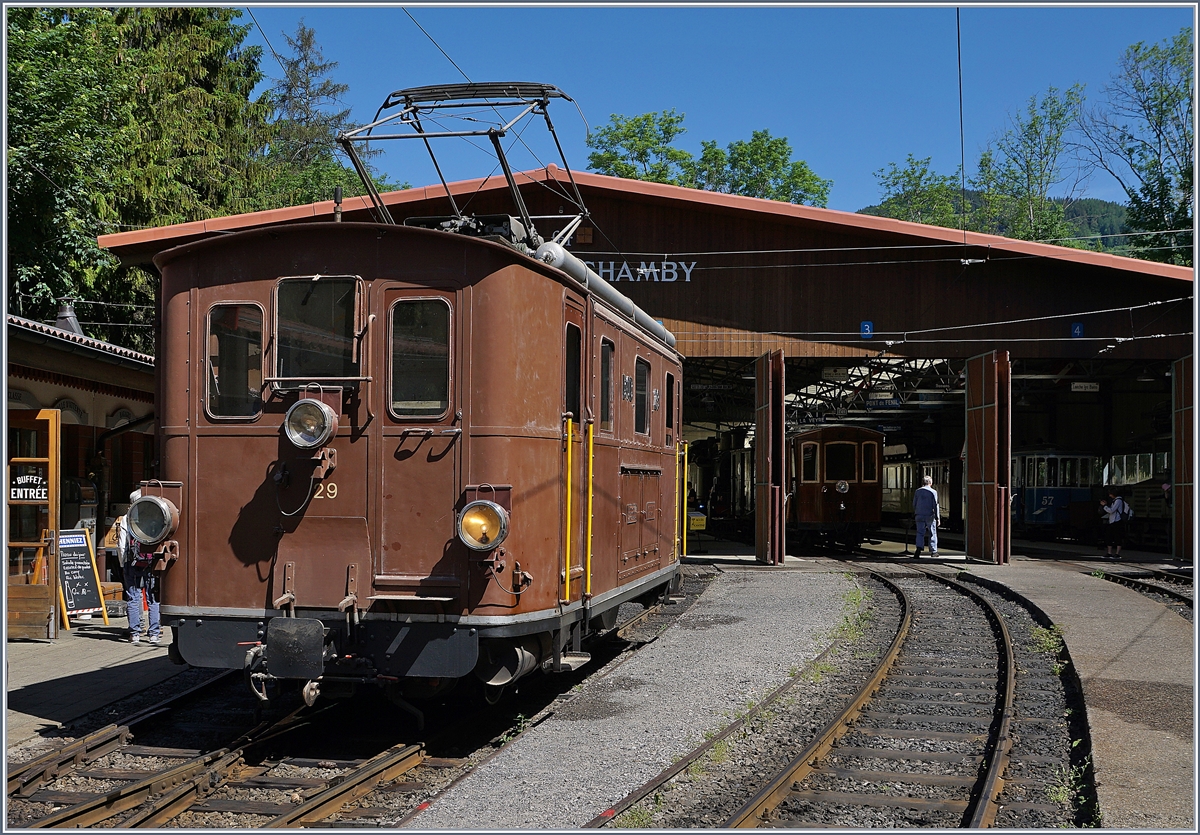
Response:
column 852, row 88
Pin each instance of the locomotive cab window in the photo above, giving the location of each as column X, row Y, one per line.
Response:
column 840, row 463
column 641, row 406
column 572, row 401
column 234, row 361
column 315, row 330
column 606, row 375
column 420, row 358
column 870, row 456
column 808, row 462
column 670, row 416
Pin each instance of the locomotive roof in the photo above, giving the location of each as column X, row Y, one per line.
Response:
column 825, row 427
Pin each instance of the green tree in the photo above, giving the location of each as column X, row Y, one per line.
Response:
column 199, row 132
column 68, row 125
column 1027, row 161
column 916, row 194
column 120, row 119
column 1142, row 134
column 303, row 161
column 763, row 167
column 639, row 148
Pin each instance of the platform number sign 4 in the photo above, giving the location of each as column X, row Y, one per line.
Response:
column 1076, row 330
column 866, row 329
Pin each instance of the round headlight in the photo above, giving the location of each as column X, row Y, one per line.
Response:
column 842, row 487
column 482, row 525
column 152, row 519
column 309, row 423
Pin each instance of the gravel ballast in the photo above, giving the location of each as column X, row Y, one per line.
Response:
column 624, row 728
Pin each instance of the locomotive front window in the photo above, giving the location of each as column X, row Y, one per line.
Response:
column 870, row 457
column 234, row 361
column 641, row 410
column 420, row 358
column 840, row 463
column 315, row 330
column 808, row 462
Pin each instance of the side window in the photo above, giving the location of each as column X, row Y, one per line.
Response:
column 670, row 417
column 641, row 406
column 420, row 358
column 606, row 380
column 839, row 461
column 234, row 360
column 808, row 462
column 574, row 351
column 870, row 452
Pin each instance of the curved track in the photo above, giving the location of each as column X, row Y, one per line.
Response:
column 929, row 733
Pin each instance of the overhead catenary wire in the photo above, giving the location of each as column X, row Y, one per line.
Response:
column 267, row 40
column 997, row 323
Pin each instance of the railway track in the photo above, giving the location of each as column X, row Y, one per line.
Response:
column 258, row 780
column 26, row 778
column 1170, row 588
column 943, row 731
column 929, row 734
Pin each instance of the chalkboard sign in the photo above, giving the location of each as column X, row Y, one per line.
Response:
column 77, row 576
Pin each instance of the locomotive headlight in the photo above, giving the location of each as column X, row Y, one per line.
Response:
column 482, row 525
column 309, row 423
column 843, row 487
column 152, row 519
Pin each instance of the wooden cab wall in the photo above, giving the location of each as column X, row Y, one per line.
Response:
column 387, row 529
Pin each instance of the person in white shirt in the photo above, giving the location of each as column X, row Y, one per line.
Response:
column 925, row 510
column 1116, row 512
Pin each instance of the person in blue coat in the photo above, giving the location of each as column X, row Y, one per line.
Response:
column 925, row 509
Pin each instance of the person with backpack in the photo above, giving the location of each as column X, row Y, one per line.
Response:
column 137, row 567
column 1117, row 513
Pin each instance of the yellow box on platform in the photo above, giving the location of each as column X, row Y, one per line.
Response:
column 697, row 521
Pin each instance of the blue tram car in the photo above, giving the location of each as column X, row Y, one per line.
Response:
column 1053, row 492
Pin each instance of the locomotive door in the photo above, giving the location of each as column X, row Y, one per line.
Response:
column 421, row 443
column 575, row 482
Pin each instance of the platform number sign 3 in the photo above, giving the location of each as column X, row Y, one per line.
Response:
column 866, row 329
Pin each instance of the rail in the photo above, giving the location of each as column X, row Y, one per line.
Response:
column 978, row 810
column 26, row 778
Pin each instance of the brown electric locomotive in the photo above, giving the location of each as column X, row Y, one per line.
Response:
column 396, row 455
column 834, row 484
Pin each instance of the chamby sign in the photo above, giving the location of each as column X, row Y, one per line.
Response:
column 644, row 271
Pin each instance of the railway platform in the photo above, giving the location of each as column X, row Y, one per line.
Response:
column 1136, row 663
column 51, row 683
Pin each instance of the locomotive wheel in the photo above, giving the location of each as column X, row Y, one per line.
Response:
column 492, row 694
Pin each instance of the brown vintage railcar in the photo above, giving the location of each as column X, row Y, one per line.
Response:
column 834, row 484
column 402, row 456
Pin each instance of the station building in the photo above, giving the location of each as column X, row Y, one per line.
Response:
column 80, row 419
column 965, row 349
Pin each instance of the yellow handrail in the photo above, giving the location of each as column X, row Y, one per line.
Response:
column 591, row 482
column 567, row 571
column 678, row 493
column 686, row 518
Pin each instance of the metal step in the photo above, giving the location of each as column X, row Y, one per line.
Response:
column 570, row 661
